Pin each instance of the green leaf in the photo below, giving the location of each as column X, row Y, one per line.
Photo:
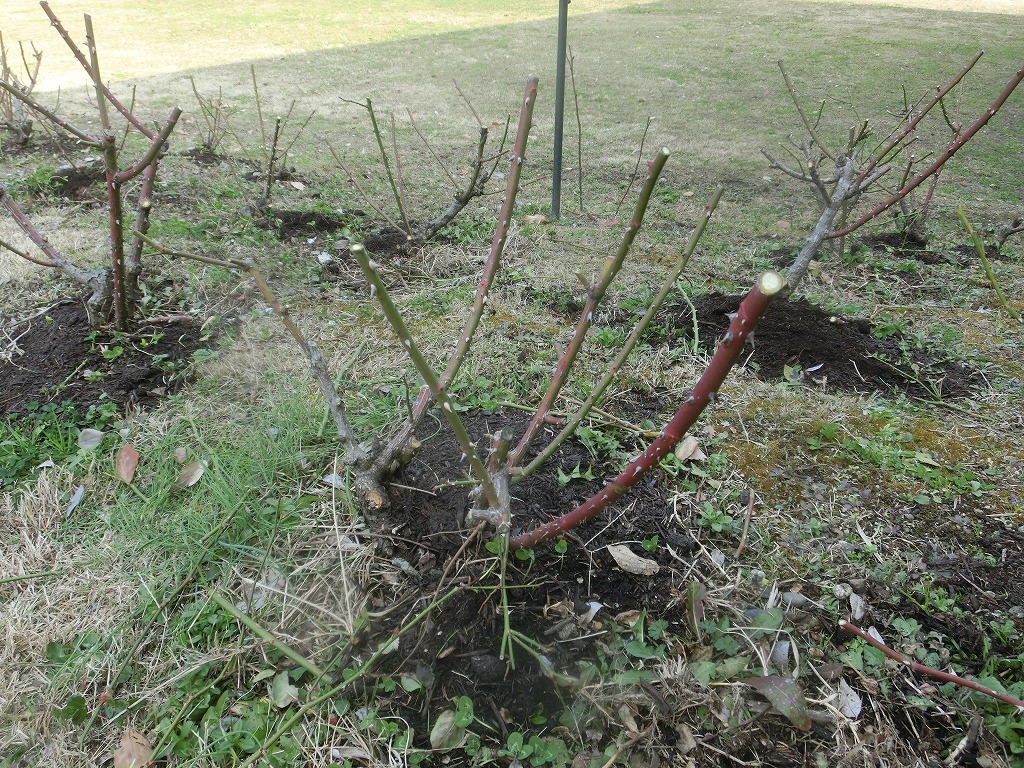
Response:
column 785, row 695
column 703, row 672
column 640, row 650
column 57, row 652
column 410, row 684
column 731, row 667
column 74, row 710
column 282, row 692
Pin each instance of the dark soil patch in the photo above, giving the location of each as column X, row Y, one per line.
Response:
column 548, row 594
column 799, row 342
column 55, row 361
column 289, row 223
column 968, row 254
column 202, row 156
column 41, row 144
column 902, row 246
column 76, row 182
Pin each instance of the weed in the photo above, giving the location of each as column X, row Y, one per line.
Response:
column 564, row 478
column 715, row 519
column 46, row 433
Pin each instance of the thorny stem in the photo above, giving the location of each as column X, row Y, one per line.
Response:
column 355, row 183
column 598, row 391
column 156, row 147
column 28, row 256
column 55, row 258
column 939, row 162
column 89, row 139
column 636, row 168
column 425, row 397
column 387, row 169
column 947, row 677
column 913, row 123
column 94, row 76
column 430, row 149
column 440, row 393
column 477, row 181
column 842, row 192
column 704, row 392
column 355, row 453
column 268, row 184
column 612, row 265
column 579, row 128
column 403, row 204
column 979, row 246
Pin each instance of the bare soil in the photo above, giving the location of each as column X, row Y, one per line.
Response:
column 56, row 357
column 799, row 342
column 550, row 594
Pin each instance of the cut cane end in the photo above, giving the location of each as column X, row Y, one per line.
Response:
column 770, row 283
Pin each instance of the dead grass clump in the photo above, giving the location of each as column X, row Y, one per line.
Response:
column 66, row 593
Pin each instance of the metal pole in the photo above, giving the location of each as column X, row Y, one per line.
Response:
column 556, row 174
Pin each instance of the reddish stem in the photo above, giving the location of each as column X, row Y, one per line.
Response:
column 939, row 161
column 93, row 75
column 726, row 355
column 947, row 677
column 426, row 397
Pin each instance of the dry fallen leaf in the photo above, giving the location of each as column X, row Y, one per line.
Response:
column 630, row 562
column 190, row 474
column 850, row 703
column 689, row 450
column 297, row 185
column 536, row 218
column 89, row 439
column 127, row 463
column 135, row 750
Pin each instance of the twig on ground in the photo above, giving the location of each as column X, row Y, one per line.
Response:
column 746, row 522
column 947, row 677
column 266, row 636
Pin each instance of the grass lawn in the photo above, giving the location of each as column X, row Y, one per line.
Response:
column 237, row 595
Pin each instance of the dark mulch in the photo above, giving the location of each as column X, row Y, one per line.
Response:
column 55, row 355
column 831, row 351
column 460, row 643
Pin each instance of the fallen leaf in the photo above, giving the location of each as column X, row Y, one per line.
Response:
column 89, row 439
column 632, row 563
column 850, row 703
column 785, row 695
column 76, row 498
column 689, row 450
column 857, row 606
column 127, row 463
column 628, row 618
column 134, row 752
column 333, row 480
column 297, row 185
column 181, row 455
column 446, row 733
column 190, row 474
column 536, row 218
column 282, row 692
